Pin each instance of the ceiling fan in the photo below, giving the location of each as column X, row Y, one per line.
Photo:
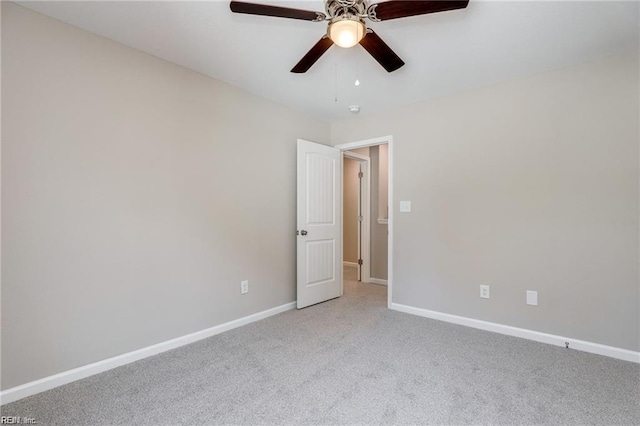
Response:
column 346, row 26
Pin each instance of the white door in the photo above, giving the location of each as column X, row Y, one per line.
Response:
column 319, row 245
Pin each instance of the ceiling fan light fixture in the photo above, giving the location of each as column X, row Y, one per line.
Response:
column 346, row 32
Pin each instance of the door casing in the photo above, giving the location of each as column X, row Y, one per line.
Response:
column 373, row 142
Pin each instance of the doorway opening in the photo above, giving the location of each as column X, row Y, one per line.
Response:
column 367, row 199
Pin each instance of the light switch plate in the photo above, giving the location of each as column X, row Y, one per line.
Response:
column 484, row 291
column 532, row 298
column 405, row 206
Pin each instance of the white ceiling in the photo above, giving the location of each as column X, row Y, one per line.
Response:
column 448, row 52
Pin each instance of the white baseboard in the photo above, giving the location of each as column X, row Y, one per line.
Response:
column 345, row 263
column 46, row 383
column 377, row 281
column 552, row 339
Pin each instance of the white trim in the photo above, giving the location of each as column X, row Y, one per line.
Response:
column 372, row 142
column 552, row 339
column 377, row 281
column 383, row 221
column 390, row 227
column 345, row 263
column 363, row 144
column 50, row 382
column 356, row 156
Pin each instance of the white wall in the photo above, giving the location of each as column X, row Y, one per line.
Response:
column 526, row 185
column 136, row 195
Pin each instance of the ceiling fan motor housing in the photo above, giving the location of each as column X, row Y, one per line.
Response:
column 346, row 8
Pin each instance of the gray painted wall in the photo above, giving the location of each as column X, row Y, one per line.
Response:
column 350, row 210
column 131, row 207
column 526, row 185
column 127, row 219
column 379, row 201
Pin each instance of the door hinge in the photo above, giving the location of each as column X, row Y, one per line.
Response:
column 360, row 218
column 359, row 261
column 360, row 175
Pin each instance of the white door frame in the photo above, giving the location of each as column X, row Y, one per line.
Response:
column 364, row 206
column 373, row 142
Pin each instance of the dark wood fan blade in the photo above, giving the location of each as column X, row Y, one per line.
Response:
column 402, row 8
column 313, row 55
column 381, row 52
column 278, row 12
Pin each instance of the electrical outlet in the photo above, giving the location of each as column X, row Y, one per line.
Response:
column 532, row 298
column 484, row 291
column 405, row 206
column 244, row 287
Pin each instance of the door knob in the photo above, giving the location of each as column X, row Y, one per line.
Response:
column 303, row 232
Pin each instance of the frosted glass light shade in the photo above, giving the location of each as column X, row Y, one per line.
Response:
column 346, row 33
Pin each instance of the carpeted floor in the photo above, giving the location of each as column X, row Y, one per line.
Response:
column 351, row 361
